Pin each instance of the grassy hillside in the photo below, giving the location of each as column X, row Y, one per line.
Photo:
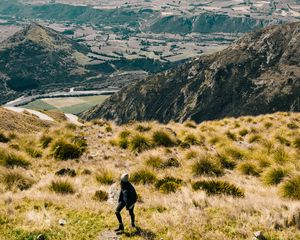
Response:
column 21, row 123
column 218, row 180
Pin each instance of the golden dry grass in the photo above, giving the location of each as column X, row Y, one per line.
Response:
column 181, row 213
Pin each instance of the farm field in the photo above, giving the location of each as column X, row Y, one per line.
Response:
column 74, row 105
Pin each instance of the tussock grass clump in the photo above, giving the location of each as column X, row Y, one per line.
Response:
column 155, row 162
column 296, row 143
column 168, row 184
column 291, row 188
column 143, row 176
column 243, row 132
column 274, row 176
column 10, row 159
column 206, row 166
column 162, row 138
column 191, row 154
column 268, row 125
column 139, row 143
column 124, row 134
column 191, row 139
column 217, row 187
column 63, row 150
column 108, row 129
column 62, row 187
column 71, row 126
column 254, row 138
column 190, row 124
column 45, row 141
column 171, row 162
column 231, row 136
column 248, row 168
column 282, row 140
column 235, row 153
column 280, row 155
column 33, row 152
column 143, row 128
column 4, row 138
column 14, row 179
column 100, row 196
column 105, row 177
column 226, row 162
column 292, row 125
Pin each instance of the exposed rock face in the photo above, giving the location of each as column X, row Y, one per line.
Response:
column 260, row 73
column 36, row 57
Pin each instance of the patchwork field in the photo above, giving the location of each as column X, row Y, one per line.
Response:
column 74, row 105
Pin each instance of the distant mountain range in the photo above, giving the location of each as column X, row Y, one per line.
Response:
column 39, row 58
column 260, row 73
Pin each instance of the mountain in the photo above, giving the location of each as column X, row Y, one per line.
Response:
column 260, row 73
column 39, row 58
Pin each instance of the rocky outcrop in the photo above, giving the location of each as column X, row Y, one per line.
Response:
column 260, row 73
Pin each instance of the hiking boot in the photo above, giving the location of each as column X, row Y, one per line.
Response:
column 133, row 225
column 121, row 228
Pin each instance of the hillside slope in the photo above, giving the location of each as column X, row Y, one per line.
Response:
column 36, row 57
column 260, row 73
column 217, row 180
column 22, row 122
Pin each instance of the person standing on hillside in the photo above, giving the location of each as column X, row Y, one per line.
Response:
column 127, row 198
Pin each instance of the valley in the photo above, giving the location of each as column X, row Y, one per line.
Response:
column 131, row 41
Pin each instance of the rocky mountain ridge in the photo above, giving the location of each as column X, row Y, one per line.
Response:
column 260, row 73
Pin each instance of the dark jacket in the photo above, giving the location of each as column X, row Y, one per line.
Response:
column 128, row 194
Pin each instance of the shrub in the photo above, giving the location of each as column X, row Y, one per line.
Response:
column 215, row 187
column 139, row 143
column 63, row 150
column 243, row 132
column 231, row 135
column 62, row 187
column 4, row 138
column 9, row 159
column 206, row 166
column 296, row 143
column 226, row 162
column 80, row 141
column 248, row 168
column 142, row 128
column 45, row 141
column 105, row 177
column 15, row 179
column 100, row 196
column 162, row 138
column 155, row 162
column 274, row 176
column 291, row 188
column 168, row 184
column 143, row 176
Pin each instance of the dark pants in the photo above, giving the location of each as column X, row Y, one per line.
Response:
column 119, row 208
